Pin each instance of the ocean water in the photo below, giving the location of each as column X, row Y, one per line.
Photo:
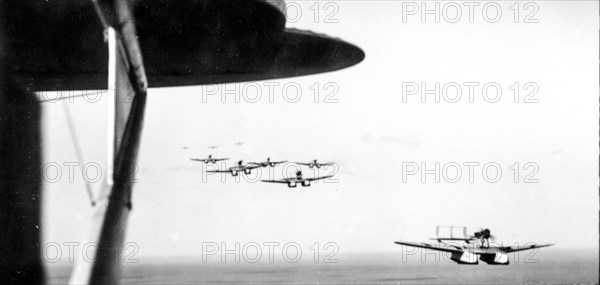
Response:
column 552, row 267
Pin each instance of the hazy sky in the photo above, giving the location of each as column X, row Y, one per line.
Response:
column 371, row 132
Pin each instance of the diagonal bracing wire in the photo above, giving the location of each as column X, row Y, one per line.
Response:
column 78, row 151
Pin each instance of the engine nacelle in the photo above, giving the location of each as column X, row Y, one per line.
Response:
column 464, row 258
column 305, row 183
column 495, row 258
column 292, row 185
column 234, row 173
column 247, row 171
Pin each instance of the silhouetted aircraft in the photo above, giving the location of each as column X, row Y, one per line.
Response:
column 268, row 163
column 208, row 160
column 314, row 163
column 293, row 181
column 469, row 253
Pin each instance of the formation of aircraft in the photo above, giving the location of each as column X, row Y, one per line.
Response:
column 471, row 253
column 292, row 182
column 314, row 163
column 240, row 167
column 208, row 160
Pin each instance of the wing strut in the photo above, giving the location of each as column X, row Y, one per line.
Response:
column 130, row 89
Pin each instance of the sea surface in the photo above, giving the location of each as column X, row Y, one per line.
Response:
column 551, row 267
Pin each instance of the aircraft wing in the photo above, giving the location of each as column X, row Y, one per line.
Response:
column 50, row 59
column 250, row 166
column 275, row 181
column 508, row 249
column 318, row 178
column 430, row 246
column 302, row 163
column 220, row 159
column 278, row 162
column 196, row 159
column 218, row 171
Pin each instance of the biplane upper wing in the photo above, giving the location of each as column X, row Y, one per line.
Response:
column 446, row 248
column 64, row 49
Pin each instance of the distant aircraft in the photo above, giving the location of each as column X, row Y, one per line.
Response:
column 293, row 181
column 213, row 147
column 185, row 147
column 314, row 163
column 240, row 167
column 239, row 143
column 268, row 163
column 208, row 160
column 471, row 253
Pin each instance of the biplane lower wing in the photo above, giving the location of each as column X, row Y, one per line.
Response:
column 448, row 248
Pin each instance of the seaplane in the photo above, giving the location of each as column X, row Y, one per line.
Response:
column 268, row 163
column 239, row 167
column 208, row 160
column 470, row 253
column 292, row 182
column 314, row 163
column 124, row 49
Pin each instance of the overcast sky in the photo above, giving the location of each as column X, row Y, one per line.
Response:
column 373, row 135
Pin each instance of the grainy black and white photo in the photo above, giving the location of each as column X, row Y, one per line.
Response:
column 299, row 142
